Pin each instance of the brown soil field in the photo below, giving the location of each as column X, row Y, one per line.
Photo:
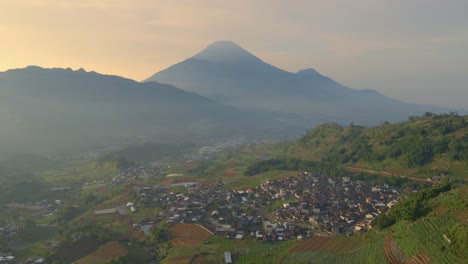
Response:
column 69, row 253
column 106, row 252
column 328, row 244
column 230, row 173
column 188, row 234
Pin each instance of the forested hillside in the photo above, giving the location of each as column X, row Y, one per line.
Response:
column 424, row 146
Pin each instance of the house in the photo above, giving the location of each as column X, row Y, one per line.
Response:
column 224, row 229
column 258, row 235
column 39, row 260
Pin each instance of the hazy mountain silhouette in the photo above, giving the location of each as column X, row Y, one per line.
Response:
column 60, row 109
column 228, row 74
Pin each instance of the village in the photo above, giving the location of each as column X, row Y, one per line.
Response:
column 278, row 209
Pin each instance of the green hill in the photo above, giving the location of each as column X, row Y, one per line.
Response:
column 425, row 146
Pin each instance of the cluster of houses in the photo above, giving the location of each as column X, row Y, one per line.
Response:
column 277, row 209
column 7, row 235
column 43, row 207
column 333, row 205
column 133, row 173
column 9, row 231
column 228, row 213
column 8, row 259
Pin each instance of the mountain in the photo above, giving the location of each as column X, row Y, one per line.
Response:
column 44, row 110
column 229, row 74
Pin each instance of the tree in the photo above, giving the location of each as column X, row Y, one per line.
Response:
column 383, row 221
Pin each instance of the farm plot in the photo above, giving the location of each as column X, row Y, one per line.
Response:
column 32, row 235
column 360, row 249
column 188, row 234
column 110, row 250
column 69, row 252
column 246, row 251
column 272, row 252
column 328, row 244
column 431, row 236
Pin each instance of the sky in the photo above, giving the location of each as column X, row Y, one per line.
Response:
column 412, row 50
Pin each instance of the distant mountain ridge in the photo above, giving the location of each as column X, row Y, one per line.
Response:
column 229, row 74
column 50, row 109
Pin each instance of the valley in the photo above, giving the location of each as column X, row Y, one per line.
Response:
column 107, row 208
column 234, row 132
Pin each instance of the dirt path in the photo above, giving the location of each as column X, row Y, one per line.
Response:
column 386, row 174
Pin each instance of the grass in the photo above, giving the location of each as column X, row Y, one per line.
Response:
column 37, row 250
column 178, row 189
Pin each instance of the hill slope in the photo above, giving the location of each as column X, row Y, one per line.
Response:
column 421, row 147
column 44, row 110
column 229, row 74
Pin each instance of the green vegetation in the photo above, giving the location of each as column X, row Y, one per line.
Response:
column 443, row 238
column 160, row 241
column 422, row 146
column 33, row 234
column 396, row 181
column 19, row 186
column 246, row 251
column 413, row 207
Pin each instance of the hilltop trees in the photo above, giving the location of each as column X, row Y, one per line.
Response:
column 413, row 207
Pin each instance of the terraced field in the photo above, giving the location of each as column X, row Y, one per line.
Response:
column 360, row 249
column 329, row 244
column 264, row 253
column 247, row 251
column 432, row 236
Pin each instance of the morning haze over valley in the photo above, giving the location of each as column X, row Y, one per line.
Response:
column 244, row 132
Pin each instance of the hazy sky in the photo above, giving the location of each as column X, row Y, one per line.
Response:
column 412, row 50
